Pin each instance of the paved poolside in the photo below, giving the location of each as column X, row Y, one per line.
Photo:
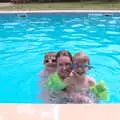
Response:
column 5, row 4
column 59, row 112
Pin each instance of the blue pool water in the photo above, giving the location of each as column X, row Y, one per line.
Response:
column 24, row 41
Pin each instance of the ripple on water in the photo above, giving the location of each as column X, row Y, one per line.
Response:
column 69, row 30
column 107, row 49
column 47, row 29
column 10, row 23
column 101, row 25
column 112, row 22
column 77, row 25
column 112, row 33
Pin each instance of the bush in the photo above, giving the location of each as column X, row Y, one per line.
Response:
column 20, row 1
column 4, row 0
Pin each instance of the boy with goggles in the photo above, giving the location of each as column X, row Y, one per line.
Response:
column 79, row 81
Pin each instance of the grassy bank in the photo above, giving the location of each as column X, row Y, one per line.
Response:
column 64, row 6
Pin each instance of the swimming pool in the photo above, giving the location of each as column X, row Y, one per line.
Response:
column 25, row 38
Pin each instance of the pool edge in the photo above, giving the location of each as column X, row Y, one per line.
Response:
column 63, row 11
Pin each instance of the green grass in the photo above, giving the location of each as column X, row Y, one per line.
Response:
column 64, row 6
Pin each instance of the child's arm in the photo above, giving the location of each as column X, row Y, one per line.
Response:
column 68, row 81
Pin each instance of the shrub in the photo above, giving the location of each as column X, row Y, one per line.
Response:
column 20, row 1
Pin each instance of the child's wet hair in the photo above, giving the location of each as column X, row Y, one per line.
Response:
column 83, row 57
column 64, row 53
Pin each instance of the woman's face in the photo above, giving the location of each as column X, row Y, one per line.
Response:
column 64, row 66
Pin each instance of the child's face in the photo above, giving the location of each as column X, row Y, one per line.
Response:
column 80, row 67
column 50, row 60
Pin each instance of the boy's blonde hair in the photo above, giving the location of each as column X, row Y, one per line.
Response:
column 83, row 57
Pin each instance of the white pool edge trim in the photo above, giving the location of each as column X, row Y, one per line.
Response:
column 63, row 11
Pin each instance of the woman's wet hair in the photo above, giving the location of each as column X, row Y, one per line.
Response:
column 64, row 53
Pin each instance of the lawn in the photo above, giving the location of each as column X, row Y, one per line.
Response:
column 64, row 6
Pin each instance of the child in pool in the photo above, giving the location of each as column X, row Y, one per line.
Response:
column 79, row 81
column 50, row 66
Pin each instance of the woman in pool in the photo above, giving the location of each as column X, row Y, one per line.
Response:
column 56, row 85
